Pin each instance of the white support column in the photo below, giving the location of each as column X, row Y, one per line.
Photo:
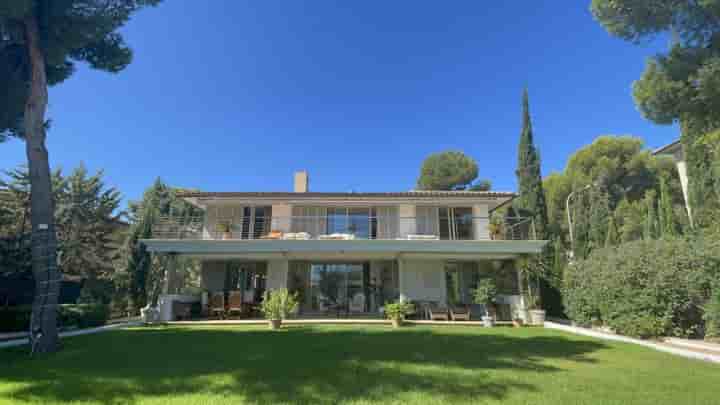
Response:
column 523, row 309
column 277, row 272
column 401, row 280
column 407, row 220
column 481, row 222
column 682, row 173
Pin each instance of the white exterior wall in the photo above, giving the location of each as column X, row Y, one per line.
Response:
column 281, row 220
column 422, row 280
column 481, row 222
column 277, row 272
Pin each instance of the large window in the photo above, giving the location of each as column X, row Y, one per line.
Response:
column 456, row 223
column 356, row 221
column 461, row 279
column 339, row 287
column 255, row 222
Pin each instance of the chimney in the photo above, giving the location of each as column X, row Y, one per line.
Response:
column 302, row 181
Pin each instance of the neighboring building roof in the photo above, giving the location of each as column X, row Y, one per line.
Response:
column 400, row 194
column 669, row 149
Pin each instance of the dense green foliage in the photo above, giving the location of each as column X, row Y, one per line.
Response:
column 614, row 177
column 88, row 221
column 138, row 270
column 644, row 288
column 398, row 310
column 682, row 85
column 485, row 292
column 17, row 319
column 712, row 316
column 531, row 198
column 278, row 304
column 71, row 31
column 452, row 170
column 359, row 365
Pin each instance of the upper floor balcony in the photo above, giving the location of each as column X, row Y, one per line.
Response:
column 345, row 226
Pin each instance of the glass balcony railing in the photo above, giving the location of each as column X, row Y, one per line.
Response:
column 345, row 228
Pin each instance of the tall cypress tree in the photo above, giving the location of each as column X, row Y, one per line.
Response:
column 613, row 236
column 532, row 198
column 667, row 213
column 599, row 213
column 650, row 224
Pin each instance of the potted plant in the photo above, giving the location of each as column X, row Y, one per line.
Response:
column 532, row 270
column 224, row 229
column 485, row 294
column 537, row 314
column 277, row 305
column 397, row 311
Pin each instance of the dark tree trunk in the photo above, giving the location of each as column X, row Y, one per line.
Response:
column 43, row 327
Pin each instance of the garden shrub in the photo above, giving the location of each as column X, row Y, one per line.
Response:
column 712, row 317
column 14, row 319
column 83, row 315
column 643, row 288
column 17, row 319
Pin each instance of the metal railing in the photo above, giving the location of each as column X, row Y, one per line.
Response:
column 343, row 228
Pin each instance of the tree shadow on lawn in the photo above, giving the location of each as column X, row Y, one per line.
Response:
column 296, row 364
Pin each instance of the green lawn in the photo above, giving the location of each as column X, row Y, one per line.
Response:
column 353, row 364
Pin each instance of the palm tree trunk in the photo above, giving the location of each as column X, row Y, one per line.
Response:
column 43, row 325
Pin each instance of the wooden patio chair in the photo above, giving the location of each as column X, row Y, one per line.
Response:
column 235, row 304
column 217, row 305
column 460, row 313
column 438, row 314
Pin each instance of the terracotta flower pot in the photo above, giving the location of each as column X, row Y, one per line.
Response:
column 275, row 323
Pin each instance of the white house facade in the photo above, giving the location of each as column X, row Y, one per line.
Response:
column 346, row 254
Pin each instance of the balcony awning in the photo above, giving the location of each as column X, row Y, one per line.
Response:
column 368, row 249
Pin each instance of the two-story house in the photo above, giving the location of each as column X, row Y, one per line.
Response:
column 349, row 253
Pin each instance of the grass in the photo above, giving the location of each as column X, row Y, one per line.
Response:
column 354, row 365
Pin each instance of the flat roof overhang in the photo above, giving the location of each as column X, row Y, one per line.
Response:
column 367, row 249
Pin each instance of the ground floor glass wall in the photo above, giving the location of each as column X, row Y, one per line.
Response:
column 336, row 288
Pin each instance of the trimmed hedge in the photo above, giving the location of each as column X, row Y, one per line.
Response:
column 644, row 288
column 17, row 319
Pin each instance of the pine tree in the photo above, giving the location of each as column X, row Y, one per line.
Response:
column 531, row 199
column 40, row 43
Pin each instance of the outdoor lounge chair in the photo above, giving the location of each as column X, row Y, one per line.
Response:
column 460, row 313
column 217, row 305
column 235, row 304
column 438, row 314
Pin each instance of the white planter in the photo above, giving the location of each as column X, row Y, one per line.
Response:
column 537, row 317
column 150, row 314
column 488, row 321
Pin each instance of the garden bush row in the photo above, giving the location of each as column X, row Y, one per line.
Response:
column 648, row 288
column 17, row 319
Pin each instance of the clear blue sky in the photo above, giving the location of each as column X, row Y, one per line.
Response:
column 237, row 96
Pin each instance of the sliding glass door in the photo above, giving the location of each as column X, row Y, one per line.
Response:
column 355, row 221
column 338, row 287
